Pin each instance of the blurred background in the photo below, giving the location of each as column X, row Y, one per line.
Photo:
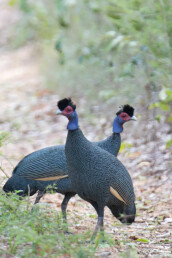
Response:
column 103, row 54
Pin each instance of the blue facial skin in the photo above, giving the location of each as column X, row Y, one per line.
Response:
column 118, row 125
column 73, row 121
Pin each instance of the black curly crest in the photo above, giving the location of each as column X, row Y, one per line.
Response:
column 63, row 103
column 127, row 109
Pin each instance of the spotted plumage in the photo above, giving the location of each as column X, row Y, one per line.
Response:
column 50, row 163
column 98, row 177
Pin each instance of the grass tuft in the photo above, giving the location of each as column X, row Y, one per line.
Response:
column 26, row 232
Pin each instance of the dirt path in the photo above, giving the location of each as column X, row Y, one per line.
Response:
column 28, row 113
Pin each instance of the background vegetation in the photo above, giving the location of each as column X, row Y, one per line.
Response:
column 103, row 50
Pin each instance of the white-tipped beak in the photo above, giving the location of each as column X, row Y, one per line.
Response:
column 134, row 118
column 58, row 112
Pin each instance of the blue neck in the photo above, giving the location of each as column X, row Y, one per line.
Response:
column 117, row 125
column 73, row 121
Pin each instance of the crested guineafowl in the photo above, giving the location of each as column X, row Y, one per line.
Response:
column 97, row 176
column 50, row 164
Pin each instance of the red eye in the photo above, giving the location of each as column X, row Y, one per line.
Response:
column 124, row 116
column 68, row 110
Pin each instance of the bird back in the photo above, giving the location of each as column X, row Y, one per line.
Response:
column 50, row 161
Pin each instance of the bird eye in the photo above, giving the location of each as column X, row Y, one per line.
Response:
column 124, row 116
column 68, row 109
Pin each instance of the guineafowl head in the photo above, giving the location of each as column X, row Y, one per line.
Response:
column 125, row 114
column 68, row 108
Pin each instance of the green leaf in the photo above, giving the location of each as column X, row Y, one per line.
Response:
column 158, row 118
column 165, row 106
column 12, row 2
column 143, row 240
column 168, row 144
column 169, row 119
column 124, row 146
column 154, row 105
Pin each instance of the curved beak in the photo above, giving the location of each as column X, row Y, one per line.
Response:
column 133, row 118
column 58, row 112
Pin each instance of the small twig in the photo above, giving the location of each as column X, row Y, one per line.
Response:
column 4, row 172
column 28, row 196
column 164, row 235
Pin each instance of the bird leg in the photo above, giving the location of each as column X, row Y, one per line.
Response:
column 39, row 196
column 64, row 203
column 99, row 224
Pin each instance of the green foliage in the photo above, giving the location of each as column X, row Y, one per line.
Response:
column 125, row 147
column 104, row 48
column 168, row 144
column 26, row 232
column 51, row 188
column 164, row 103
column 165, row 99
column 32, row 233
